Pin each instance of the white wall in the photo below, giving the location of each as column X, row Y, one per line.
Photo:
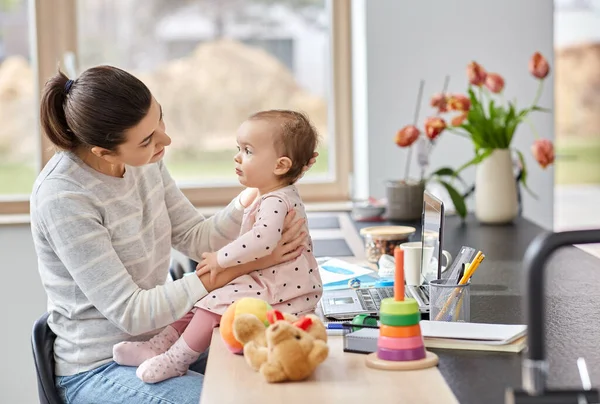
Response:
column 406, row 41
column 22, row 301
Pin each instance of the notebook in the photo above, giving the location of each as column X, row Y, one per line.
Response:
column 450, row 335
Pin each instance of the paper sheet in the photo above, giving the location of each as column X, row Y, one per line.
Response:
column 336, row 270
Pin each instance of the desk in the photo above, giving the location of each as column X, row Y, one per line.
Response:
column 343, row 378
column 573, row 311
column 572, row 319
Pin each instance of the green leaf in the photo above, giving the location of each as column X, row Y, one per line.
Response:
column 541, row 109
column 492, row 111
column 479, row 157
column 444, row 171
column 526, row 111
column 524, row 174
column 457, row 199
column 510, row 125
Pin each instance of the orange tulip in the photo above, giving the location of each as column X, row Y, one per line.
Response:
column 543, row 152
column 407, row 135
column 538, row 66
column 459, row 119
column 434, row 126
column 459, row 102
column 494, row 82
column 439, row 101
column 476, row 74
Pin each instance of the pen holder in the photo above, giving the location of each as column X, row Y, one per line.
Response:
column 449, row 301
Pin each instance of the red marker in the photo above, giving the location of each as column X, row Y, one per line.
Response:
column 399, row 274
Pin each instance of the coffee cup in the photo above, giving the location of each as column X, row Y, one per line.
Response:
column 413, row 252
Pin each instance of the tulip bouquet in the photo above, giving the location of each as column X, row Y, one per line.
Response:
column 434, row 126
column 483, row 116
column 491, row 123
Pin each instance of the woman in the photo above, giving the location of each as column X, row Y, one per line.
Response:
column 104, row 214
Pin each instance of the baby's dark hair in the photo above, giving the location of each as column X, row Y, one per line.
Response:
column 297, row 139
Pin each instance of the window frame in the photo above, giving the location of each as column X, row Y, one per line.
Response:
column 53, row 34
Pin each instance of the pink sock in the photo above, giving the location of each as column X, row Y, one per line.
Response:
column 200, row 329
column 133, row 353
column 175, row 362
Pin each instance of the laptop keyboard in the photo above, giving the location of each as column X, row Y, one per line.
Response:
column 371, row 297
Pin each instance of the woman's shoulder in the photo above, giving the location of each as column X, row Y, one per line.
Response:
column 61, row 173
column 66, row 173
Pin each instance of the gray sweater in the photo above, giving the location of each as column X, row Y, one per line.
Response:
column 104, row 247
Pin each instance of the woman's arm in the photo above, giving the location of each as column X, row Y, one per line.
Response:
column 69, row 228
column 191, row 233
column 261, row 239
column 288, row 248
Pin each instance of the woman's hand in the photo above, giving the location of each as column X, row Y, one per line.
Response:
column 289, row 248
column 291, row 244
column 209, row 265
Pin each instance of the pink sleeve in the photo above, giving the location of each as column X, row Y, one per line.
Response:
column 262, row 239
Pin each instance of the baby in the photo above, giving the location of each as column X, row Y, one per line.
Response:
column 273, row 148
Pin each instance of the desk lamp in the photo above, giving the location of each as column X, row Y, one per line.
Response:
column 400, row 344
column 535, row 365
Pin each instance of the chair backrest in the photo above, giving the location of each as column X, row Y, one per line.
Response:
column 42, row 344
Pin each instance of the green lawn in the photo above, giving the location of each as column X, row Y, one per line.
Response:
column 18, row 178
column 578, row 161
column 205, row 166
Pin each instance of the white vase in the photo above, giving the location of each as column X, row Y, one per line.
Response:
column 496, row 189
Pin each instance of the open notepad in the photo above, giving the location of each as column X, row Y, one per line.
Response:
column 451, row 335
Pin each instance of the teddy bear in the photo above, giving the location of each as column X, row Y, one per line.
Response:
column 288, row 349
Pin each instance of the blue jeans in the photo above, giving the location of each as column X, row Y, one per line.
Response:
column 112, row 383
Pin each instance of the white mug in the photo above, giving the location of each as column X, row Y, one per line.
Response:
column 412, row 262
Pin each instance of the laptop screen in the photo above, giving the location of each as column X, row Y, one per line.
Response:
column 432, row 232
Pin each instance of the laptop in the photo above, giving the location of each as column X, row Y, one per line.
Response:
column 344, row 304
column 432, row 234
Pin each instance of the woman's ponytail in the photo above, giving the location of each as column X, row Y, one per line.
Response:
column 52, row 112
column 96, row 109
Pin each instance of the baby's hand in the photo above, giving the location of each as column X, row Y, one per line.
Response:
column 208, row 264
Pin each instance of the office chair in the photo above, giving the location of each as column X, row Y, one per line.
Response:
column 176, row 270
column 42, row 344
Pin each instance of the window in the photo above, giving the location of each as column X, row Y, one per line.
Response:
column 211, row 63
column 18, row 138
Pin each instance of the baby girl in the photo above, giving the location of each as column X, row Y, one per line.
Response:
column 273, row 148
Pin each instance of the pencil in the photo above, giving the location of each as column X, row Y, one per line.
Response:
column 470, row 271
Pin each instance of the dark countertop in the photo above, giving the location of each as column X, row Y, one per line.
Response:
column 572, row 317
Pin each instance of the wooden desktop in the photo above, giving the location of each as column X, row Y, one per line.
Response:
column 473, row 377
column 343, row 378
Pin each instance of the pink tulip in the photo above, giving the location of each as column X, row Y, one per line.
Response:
column 459, row 102
column 407, row 135
column 538, row 66
column 439, row 101
column 476, row 74
column 543, row 152
column 434, row 126
column 494, row 82
column 459, row 119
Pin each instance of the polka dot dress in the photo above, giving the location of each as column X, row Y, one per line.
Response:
column 293, row 287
